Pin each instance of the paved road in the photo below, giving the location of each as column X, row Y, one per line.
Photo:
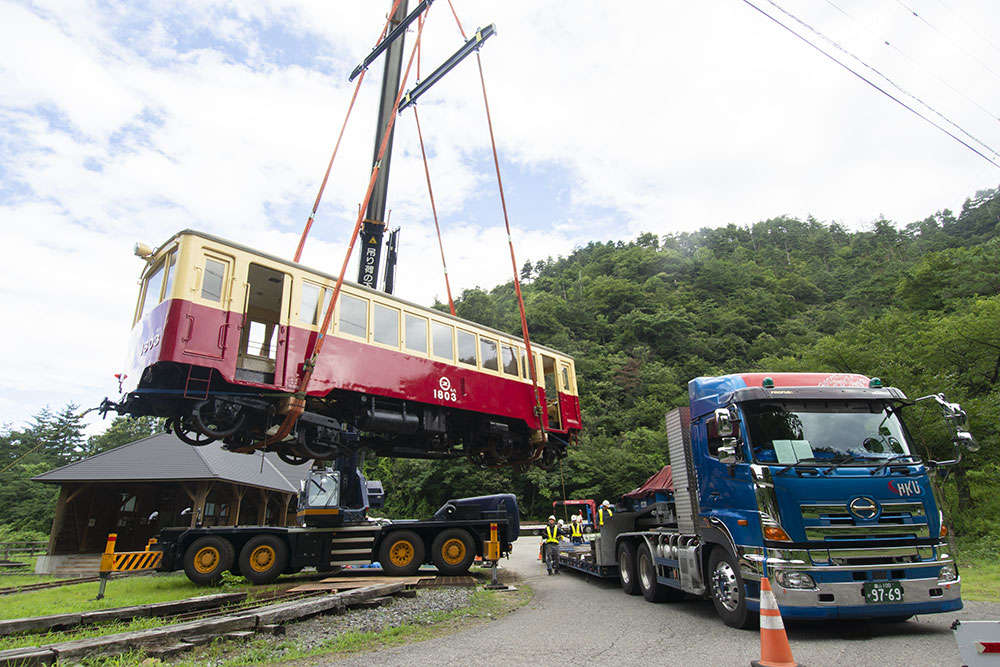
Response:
column 574, row 619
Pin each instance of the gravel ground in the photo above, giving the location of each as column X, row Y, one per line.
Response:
column 313, row 632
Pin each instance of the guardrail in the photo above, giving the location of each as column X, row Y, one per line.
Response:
column 126, row 561
column 8, row 549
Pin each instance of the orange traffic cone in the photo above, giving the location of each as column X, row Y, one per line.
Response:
column 774, row 648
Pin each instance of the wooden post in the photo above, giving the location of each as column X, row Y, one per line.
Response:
column 284, row 516
column 201, row 495
column 238, row 492
column 59, row 519
column 262, row 507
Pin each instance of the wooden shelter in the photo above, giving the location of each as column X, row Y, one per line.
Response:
column 118, row 490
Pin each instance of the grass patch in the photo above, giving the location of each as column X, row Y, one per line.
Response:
column 978, row 567
column 123, row 592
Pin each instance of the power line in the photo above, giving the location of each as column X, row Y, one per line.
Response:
column 892, row 83
column 873, row 84
column 918, row 64
column 949, row 39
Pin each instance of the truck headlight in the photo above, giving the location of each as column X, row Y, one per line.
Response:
column 949, row 572
column 794, row 579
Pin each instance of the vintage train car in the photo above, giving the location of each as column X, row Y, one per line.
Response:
column 221, row 331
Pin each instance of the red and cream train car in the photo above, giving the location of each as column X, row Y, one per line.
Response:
column 220, row 333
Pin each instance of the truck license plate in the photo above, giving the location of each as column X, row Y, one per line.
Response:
column 882, row 592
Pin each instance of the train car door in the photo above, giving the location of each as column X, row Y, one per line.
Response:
column 551, row 392
column 203, row 338
column 264, row 334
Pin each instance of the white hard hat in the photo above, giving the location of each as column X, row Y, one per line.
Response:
column 560, row 522
column 552, row 517
column 605, row 503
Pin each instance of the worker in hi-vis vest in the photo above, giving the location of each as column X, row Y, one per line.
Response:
column 605, row 509
column 576, row 529
column 550, row 545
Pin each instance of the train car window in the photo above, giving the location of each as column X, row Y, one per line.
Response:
column 564, row 376
column 416, row 333
column 168, row 286
column 509, row 360
column 309, row 307
column 353, row 316
column 488, row 354
column 153, row 285
column 467, row 347
column 525, row 369
column 385, row 325
column 442, row 344
column 211, row 285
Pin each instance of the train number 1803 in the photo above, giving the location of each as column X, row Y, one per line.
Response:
column 443, row 395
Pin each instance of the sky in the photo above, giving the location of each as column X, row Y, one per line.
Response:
column 128, row 121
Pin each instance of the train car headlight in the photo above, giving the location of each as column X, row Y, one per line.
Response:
column 949, row 572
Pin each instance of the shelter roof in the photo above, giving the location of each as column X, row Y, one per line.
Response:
column 164, row 458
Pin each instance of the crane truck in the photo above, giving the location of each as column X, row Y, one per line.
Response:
column 335, row 530
column 809, row 479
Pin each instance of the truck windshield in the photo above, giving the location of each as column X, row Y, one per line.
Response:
column 323, row 490
column 787, row 432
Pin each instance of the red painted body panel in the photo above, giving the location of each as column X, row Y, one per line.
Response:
column 188, row 333
column 807, row 379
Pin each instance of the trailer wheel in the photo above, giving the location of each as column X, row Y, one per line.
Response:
column 728, row 591
column 401, row 553
column 626, row 568
column 263, row 558
column 453, row 551
column 207, row 558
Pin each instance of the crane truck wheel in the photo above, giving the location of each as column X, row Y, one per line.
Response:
column 207, row 558
column 263, row 558
column 626, row 568
column 401, row 553
column 728, row 591
column 453, row 551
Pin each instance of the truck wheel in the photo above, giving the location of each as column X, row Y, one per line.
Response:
column 263, row 558
column 207, row 558
column 453, row 551
column 728, row 591
column 626, row 568
column 401, row 553
column 652, row 590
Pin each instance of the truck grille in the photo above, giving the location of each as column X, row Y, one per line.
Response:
column 832, row 522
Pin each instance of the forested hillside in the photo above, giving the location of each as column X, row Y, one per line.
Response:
column 917, row 305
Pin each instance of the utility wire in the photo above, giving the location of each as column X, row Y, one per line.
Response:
column 947, row 38
column 874, row 85
column 878, row 73
column 917, row 63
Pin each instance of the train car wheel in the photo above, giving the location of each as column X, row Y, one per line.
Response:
column 263, row 558
column 453, row 551
column 401, row 553
column 207, row 558
column 218, row 419
column 190, row 435
column 291, row 458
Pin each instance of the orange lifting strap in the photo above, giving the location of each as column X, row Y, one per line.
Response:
column 298, row 402
column 299, row 397
column 329, row 166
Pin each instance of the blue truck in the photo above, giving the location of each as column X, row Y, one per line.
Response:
column 810, row 479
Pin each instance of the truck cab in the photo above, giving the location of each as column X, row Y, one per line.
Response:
column 812, row 480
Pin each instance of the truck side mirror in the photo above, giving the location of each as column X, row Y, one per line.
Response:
column 729, row 452
column 965, row 438
column 723, row 422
